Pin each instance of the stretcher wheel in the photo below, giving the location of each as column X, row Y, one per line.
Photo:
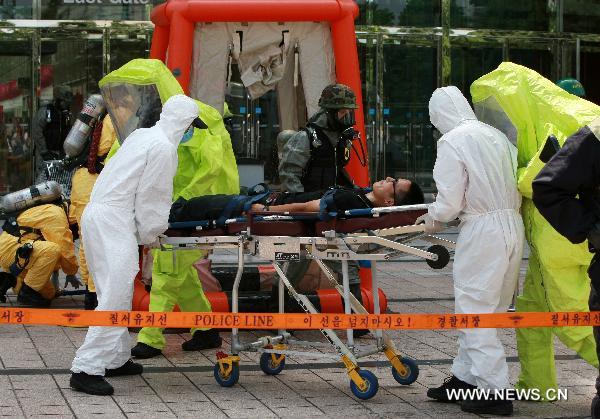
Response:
column 267, row 366
column 412, row 372
column 230, row 380
column 372, row 385
column 442, row 254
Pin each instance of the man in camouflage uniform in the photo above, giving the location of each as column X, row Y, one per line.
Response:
column 315, row 157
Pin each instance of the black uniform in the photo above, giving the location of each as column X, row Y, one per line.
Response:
column 327, row 164
column 567, row 194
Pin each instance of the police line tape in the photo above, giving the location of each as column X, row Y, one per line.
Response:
column 294, row 321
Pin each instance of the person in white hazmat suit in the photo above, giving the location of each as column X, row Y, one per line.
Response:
column 129, row 206
column 475, row 175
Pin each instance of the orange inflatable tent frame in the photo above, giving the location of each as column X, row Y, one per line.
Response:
column 174, row 31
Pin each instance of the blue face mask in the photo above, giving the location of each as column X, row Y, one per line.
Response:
column 187, row 135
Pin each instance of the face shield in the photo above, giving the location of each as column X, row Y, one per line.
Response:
column 490, row 112
column 131, row 106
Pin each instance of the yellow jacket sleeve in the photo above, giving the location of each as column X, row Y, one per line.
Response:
column 52, row 221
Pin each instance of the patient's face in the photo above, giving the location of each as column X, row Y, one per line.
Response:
column 387, row 188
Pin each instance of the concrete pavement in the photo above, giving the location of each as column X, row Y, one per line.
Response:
column 34, row 363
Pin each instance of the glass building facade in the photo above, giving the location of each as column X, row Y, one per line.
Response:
column 407, row 48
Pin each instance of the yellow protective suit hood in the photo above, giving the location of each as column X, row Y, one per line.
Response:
column 537, row 108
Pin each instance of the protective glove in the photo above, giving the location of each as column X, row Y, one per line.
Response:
column 73, row 281
column 431, row 225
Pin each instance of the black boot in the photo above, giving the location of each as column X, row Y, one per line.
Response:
column 442, row 393
column 90, row 384
column 490, row 406
column 596, row 407
column 7, row 281
column 203, row 339
column 30, row 297
column 128, row 368
column 90, row 301
column 143, row 351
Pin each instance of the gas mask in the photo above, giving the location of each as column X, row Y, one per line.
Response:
column 187, row 135
column 348, row 120
column 340, row 124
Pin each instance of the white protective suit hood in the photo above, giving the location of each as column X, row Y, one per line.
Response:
column 448, row 108
column 177, row 114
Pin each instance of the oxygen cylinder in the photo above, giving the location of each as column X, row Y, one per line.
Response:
column 41, row 193
column 80, row 132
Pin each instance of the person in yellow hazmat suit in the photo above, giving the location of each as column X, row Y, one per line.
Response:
column 37, row 243
column 206, row 165
column 529, row 108
column 83, row 181
column 199, row 173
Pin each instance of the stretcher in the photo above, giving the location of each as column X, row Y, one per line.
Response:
column 377, row 234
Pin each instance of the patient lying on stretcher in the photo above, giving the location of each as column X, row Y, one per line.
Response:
column 384, row 193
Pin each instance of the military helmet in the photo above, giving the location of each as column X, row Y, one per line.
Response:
column 572, row 86
column 338, row 96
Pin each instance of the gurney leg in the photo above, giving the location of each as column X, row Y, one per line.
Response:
column 235, row 339
column 281, row 299
column 405, row 369
column 310, row 308
column 375, row 291
column 347, row 308
column 362, row 380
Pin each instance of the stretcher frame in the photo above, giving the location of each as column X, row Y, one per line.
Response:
column 373, row 245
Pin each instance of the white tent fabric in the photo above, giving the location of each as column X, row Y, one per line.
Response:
column 266, row 55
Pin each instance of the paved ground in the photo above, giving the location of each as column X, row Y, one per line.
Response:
column 34, row 364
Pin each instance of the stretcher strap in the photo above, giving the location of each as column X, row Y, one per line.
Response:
column 228, row 210
column 189, row 224
column 296, row 321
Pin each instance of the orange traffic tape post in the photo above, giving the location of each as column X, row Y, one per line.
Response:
column 61, row 317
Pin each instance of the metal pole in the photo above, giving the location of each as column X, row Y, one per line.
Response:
column 445, row 53
column 578, row 59
column 347, row 307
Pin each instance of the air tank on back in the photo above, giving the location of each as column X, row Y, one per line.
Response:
column 79, row 135
column 41, row 193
